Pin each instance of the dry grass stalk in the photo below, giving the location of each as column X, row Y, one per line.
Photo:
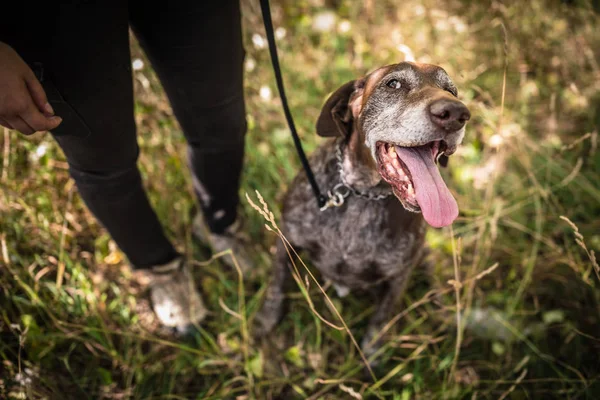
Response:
column 268, row 215
column 580, row 241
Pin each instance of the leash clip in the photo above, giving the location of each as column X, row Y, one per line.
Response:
column 335, row 197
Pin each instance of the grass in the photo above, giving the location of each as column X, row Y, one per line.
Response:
column 511, row 309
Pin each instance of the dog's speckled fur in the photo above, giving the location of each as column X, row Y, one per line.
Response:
column 364, row 243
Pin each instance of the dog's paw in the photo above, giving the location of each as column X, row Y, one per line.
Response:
column 267, row 318
column 263, row 325
column 369, row 346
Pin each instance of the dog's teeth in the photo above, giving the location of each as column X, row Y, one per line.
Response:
column 392, row 150
column 396, row 164
column 390, row 170
column 411, row 190
column 400, row 172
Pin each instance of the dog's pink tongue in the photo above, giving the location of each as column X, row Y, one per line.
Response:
column 437, row 204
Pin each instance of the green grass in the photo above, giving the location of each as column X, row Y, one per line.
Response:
column 73, row 324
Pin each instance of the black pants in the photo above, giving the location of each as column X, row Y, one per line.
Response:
column 196, row 49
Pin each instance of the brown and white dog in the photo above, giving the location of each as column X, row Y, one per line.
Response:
column 390, row 128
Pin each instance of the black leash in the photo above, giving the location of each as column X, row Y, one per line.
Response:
column 266, row 12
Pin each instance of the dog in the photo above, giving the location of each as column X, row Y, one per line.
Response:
column 387, row 130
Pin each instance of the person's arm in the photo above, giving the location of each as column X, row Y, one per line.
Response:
column 23, row 103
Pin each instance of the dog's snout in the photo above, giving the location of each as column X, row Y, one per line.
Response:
column 450, row 115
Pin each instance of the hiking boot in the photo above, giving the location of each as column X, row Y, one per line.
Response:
column 174, row 298
column 233, row 238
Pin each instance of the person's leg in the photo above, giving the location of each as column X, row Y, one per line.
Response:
column 196, row 49
column 84, row 50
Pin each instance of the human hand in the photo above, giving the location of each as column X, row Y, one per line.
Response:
column 23, row 103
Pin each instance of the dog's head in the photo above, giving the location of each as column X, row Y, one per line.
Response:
column 407, row 115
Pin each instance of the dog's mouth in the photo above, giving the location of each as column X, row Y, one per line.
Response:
column 416, row 181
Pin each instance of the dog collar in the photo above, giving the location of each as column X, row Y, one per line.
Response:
column 338, row 194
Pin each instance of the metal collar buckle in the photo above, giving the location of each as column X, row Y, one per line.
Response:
column 336, row 197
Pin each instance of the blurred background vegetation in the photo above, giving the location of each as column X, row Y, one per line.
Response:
column 73, row 324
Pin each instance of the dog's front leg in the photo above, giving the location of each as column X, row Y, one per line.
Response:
column 389, row 294
column 272, row 309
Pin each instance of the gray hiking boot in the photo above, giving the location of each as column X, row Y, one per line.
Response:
column 233, row 238
column 175, row 300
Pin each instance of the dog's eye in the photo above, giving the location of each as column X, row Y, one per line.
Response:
column 394, row 84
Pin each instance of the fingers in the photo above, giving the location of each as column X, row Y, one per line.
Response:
column 24, row 114
column 18, row 124
column 39, row 115
column 37, row 121
column 24, row 105
column 38, row 94
column 5, row 124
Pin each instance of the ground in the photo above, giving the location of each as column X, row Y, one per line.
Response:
column 510, row 308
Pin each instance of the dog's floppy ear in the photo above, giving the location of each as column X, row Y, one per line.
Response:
column 336, row 115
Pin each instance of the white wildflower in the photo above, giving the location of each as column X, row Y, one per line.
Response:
column 39, row 152
column 250, row 64
column 280, row 33
column 137, row 64
column 344, row 26
column 265, row 93
column 496, row 141
column 259, row 41
column 324, row 21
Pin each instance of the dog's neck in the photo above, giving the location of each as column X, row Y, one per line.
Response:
column 358, row 167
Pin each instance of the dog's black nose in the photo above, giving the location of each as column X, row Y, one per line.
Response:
column 450, row 115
